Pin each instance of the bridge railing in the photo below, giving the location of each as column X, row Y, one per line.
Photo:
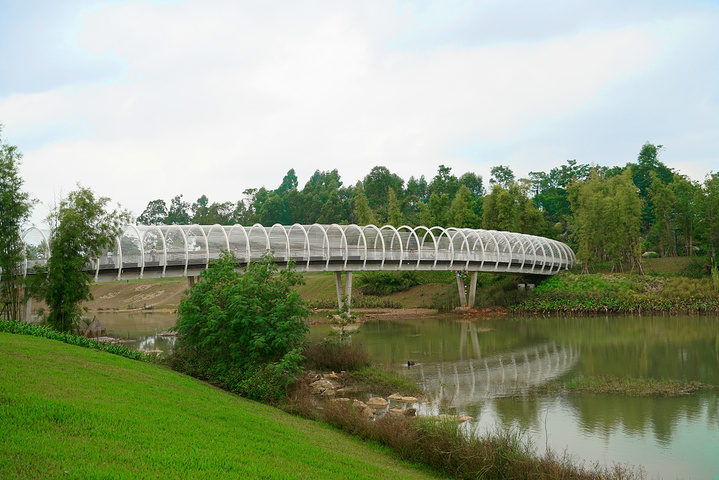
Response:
column 318, row 247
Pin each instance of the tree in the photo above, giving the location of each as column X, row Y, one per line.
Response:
column 473, row 182
column 709, row 214
column 461, row 213
column 607, row 218
column 663, row 199
column 82, row 227
column 243, row 331
column 685, row 192
column 501, row 175
column 444, row 184
column 177, row 214
column 155, row 213
column 510, row 209
column 393, row 211
column 288, row 182
column 15, row 207
column 363, row 214
column 332, row 211
column 376, row 187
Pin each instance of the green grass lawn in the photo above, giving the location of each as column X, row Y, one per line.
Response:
column 72, row 412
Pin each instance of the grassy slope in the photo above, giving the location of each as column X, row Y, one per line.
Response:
column 71, row 412
column 167, row 293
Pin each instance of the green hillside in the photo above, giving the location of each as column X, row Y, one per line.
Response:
column 71, row 412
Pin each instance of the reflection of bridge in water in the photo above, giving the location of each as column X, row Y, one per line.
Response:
column 509, row 373
column 158, row 251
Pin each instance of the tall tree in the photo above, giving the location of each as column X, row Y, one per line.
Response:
column 607, row 219
column 709, row 214
column 155, row 213
column 362, row 213
column 82, row 228
column 178, row 212
column 510, row 209
column 288, row 182
column 461, row 213
column 376, row 187
column 663, row 199
column 685, row 192
column 444, row 184
column 501, row 175
column 15, row 207
column 394, row 212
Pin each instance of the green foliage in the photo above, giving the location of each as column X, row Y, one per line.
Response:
column 243, row 331
column 82, row 227
column 384, row 382
column 15, row 207
column 697, row 268
column 42, row 331
column 335, row 355
column 607, row 217
column 385, row 282
column 569, row 293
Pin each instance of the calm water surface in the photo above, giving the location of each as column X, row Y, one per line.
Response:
column 488, row 368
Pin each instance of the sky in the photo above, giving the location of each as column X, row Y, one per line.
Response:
column 144, row 100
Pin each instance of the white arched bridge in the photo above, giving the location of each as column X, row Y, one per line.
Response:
column 155, row 251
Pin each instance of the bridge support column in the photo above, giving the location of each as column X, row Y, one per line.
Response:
column 190, row 282
column 347, row 290
column 463, row 292
column 472, row 288
column 27, row 311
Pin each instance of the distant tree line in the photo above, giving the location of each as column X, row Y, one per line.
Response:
column 607, row 214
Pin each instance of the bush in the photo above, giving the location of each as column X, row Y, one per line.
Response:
column 331, row 354
column 385, row 283
column 697, row 268
column 242, row 332
column 42, row 331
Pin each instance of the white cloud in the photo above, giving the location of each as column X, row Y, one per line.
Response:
column 215, row 98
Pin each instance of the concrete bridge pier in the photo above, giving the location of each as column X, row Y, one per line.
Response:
column 463, row 292
column 347, row 290
column 27, row 310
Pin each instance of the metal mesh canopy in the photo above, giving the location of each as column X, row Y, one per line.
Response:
column 174, row 250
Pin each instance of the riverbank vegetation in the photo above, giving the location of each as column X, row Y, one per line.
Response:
column 243, row 332
column 633, row 387
column 607, row 293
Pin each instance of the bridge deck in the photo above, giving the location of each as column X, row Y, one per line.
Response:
column 186, row 250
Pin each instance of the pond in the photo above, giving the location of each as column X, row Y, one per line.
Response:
column 488, row 369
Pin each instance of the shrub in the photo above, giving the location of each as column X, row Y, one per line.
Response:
column 242, row 332
column 42, row 331
column 331, row 354
column 385, row 283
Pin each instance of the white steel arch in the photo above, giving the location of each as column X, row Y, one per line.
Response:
column 325, row 248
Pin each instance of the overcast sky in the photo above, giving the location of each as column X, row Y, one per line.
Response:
column 149, row 99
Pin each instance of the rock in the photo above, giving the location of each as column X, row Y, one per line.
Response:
column 321, row 386
column 363, row 408
column 399, row 398
column 333, row 376
column 342, row 400
column 410, row 411
column 463, row 418
column 396, row 412
column 154, row 351
column 377, row 403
